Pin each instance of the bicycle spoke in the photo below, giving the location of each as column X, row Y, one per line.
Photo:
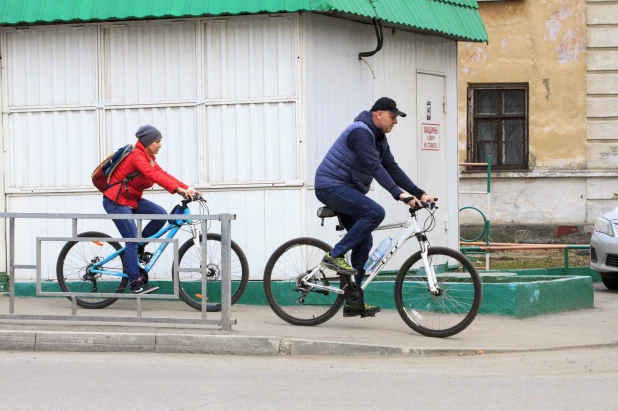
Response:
column 73, row 274
column 451, row 307
column 191, row 282
column 294, row 301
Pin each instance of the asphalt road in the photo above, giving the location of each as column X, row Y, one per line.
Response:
column 557, row 380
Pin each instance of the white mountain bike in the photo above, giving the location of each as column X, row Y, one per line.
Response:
column 437, row 290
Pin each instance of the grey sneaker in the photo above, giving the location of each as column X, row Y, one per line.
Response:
column 338, row 264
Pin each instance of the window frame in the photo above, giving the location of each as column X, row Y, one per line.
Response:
column 472, row 124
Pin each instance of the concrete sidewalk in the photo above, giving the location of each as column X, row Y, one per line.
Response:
column 260, row 332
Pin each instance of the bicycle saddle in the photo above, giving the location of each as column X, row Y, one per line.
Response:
column 326, row 212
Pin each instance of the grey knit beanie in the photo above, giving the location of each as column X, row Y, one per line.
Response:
column 147, row 135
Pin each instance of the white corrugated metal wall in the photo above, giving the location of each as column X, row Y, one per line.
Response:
column 247, row 106
column 339, row 87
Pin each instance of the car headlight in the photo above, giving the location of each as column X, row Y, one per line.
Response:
column 601, row 225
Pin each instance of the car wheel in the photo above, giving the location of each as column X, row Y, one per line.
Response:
column 611, row 283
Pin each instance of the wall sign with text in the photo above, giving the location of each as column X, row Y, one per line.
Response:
column 430, row 136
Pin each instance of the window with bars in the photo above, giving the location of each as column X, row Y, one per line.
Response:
column 498, row 125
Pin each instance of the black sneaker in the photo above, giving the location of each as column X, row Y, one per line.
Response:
column 370, row 311
column 139, row 287
column 338, row 264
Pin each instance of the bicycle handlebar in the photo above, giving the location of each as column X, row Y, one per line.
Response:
column 424, row 204
column 196, row 197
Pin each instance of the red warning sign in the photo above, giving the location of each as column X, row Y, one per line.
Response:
column 430, row 137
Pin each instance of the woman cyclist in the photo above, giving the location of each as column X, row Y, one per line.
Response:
column 125, row 197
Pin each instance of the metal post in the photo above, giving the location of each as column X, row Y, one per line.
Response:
column 11, row 266
column 487, row 237
column 138, row 301
column 39, row 287
column 226, row 274
column 74, row 228
column 204, row 267
column 566, row 260
column 176, row 273
column 73, row 305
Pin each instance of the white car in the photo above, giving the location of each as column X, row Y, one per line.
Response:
column 604, row 249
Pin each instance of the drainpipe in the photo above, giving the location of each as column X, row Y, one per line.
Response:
column 377, row 24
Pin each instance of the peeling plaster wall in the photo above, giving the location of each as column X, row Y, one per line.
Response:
column 530, row 201
column 540, row 200
column 542, row 43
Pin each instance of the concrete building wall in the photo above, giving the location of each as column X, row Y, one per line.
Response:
column 602, row 114
column 566, row 61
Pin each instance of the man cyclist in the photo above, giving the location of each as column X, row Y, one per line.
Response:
column 360, row 154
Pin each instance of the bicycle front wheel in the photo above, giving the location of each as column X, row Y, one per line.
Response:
column 457, row 301
column 72, row 270
column 293, row 304
column 191, row 282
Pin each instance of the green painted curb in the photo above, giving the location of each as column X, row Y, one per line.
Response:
column 28, row 289
column 509, row 295
column 572, row 271
column 4, row 282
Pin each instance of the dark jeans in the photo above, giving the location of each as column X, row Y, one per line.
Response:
column 360, row 216
column 128, row 229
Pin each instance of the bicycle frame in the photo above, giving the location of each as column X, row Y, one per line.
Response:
column 171, row 229
column 412, row 231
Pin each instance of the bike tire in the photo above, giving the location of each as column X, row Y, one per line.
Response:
column 278, row 293
column 191, row 282
column 70, row 270
column 462, row 291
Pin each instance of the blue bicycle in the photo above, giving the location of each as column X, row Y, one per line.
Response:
column 98, row 267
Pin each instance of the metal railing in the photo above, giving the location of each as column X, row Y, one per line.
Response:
column 476, row 247
column 226, row 246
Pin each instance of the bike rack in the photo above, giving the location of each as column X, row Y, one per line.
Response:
column 486, row 220
column 226, row 247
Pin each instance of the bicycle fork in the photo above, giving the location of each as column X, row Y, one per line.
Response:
column 196, row 231
column 432, row 281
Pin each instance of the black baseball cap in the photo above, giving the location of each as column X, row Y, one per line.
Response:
column 387, row 104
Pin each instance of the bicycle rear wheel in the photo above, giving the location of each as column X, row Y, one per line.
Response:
column 287, row 264
column 72, row 270
column 454, row 308
column 191, row 282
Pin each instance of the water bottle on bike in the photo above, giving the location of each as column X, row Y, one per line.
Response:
column 379, row 252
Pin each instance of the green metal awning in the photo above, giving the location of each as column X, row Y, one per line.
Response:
column 458, row 19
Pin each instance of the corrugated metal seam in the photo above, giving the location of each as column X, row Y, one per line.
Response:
column 459, row 19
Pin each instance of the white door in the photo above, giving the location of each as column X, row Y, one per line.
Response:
column 432, row 165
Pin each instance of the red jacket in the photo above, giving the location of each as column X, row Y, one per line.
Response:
column 139, row 160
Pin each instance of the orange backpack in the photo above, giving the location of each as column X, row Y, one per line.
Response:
column 103, row 173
